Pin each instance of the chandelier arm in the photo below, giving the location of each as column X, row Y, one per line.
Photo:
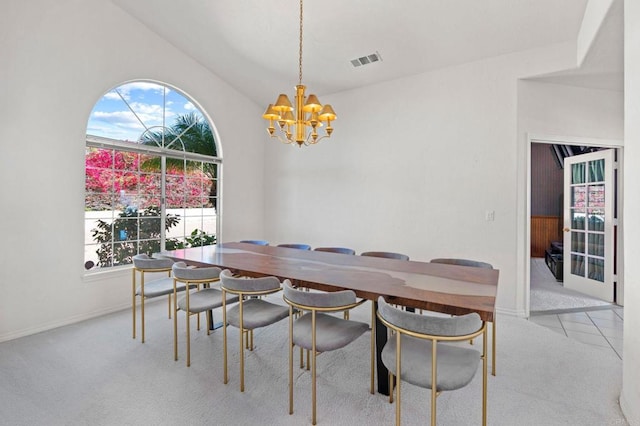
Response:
column 278, row 134
column 308, row 142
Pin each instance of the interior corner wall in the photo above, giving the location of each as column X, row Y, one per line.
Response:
column 58, row 59
column 415, row 165
column 630, row 395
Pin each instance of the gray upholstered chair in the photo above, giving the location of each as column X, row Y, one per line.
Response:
column 163, row 286
column 341, row 250
column 385, row 254
column 250, row 312
column 296, row 246
column 318, row 331
column 256, row 242
column 418, row 353
column 195, row 301
column 476, row 264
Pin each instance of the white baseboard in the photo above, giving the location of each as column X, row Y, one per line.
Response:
column 61, row 323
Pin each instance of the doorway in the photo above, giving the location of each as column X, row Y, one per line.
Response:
column 545, row 289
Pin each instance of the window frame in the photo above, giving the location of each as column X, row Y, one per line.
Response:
column 164, row 153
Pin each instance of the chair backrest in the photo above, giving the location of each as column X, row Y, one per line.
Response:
column 188, row 273
column 144, row 262
column 334, row 299
column 463, row 262
column 296, row 246
column 341, row 250
column 429, row 325
column 248, row 284
column 385, row 254
column 256, row 242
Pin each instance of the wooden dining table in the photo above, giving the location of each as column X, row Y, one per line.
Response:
column 450, row 289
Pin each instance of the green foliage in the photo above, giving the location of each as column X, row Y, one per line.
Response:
column 199, row 238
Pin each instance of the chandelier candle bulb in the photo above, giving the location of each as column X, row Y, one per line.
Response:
column 309, row 112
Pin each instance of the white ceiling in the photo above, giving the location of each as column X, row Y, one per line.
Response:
column 253, row 44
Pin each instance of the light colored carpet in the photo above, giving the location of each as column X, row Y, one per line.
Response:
column 94, row 373
column 549, row 295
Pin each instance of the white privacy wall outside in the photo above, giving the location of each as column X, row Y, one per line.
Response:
column 58, row 59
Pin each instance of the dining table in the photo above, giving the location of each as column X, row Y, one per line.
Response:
column 449, row 289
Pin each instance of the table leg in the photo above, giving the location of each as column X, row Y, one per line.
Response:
column 212, row 325
column 381, row 370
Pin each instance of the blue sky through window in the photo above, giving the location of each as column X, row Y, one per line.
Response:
column 154, row 105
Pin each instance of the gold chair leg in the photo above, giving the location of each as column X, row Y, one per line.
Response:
column 291, row 359
column 484, row 377
column 434, row 380
column 142, row 304
column 301, row 357
column 208, row 322
column 188, row 316
column 373, row 346
column 493, row 346
column 133, row 300
column 225, row 379
column 175, row 329
column 241, row 347
column 399, row 377
column 169, row 300
column 313, row 367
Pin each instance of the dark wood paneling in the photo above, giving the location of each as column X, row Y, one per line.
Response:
column 544, row 229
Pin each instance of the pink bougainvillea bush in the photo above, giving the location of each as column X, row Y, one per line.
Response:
column 117, row 180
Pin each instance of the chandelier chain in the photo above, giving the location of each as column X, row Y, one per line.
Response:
column 300, row 52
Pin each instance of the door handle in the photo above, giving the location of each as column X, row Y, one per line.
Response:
column 566, row 229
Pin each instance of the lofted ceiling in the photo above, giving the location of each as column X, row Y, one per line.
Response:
column 253, row 44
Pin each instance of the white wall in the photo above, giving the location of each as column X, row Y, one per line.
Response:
column 58, row 59
column 413, row 166
column 630, row 397
column 555, row 109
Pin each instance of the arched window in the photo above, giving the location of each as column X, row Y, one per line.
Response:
column 151, row 175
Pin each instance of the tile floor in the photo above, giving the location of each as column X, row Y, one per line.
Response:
column 599, row 327
column 593, row 325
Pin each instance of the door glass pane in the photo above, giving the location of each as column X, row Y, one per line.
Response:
column 578, row 196
column 596, row 196
column 577, row 242
column 577, row 173
column 577, row 265
column 596, row 269
column 596, row 171
column 596, row 220
column 596, row 244
column 577, row 219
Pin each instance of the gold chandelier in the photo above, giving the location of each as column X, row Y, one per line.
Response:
column 299, row 124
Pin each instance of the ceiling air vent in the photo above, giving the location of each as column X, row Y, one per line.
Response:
column 368, row 59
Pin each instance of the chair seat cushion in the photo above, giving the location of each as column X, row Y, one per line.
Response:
column 256, row 313
column 456, row 366
column 204, row 300
column 331, row 332
column 159, row 287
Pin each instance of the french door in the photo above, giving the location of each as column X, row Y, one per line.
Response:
column 589, row 223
